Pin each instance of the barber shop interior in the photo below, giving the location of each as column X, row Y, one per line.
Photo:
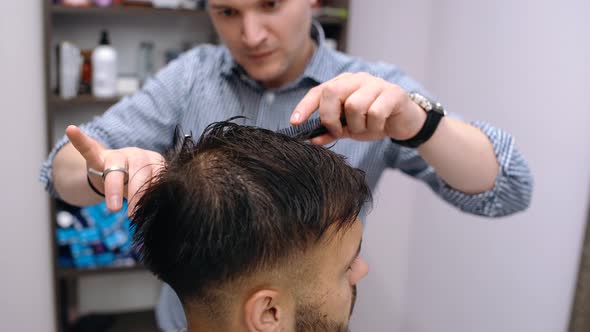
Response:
column 295, row 166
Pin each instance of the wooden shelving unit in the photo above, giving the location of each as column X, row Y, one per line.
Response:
column 58, row 10
column 76, row 273
column 82, row 100
column 66, row 279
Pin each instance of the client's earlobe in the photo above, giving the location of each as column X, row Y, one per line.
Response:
column 263, row 312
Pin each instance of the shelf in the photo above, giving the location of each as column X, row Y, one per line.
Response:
column 124, row 11
column 82, row 100
column 144, row 321
column 136, row 321
column 75, row 273
column 330, row 20
column 138, row 11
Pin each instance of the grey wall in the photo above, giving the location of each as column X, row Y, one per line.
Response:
column 26, row 303
column 523, row 66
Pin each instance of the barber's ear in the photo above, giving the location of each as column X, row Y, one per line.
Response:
column 266, row 311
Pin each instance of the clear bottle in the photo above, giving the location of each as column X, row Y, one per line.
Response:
column 104, row 69
column 145, row 67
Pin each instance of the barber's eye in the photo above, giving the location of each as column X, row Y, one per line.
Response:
column 227, row 12
column 271, row 4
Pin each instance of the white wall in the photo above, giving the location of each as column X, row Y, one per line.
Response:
column 381, row 302
column 26, row 303
column 523, row 66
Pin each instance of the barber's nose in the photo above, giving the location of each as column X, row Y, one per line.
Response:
column 253, row 31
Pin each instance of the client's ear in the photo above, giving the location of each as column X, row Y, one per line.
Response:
column 267, row 311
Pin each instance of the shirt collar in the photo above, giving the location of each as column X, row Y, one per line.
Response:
column 320, row 68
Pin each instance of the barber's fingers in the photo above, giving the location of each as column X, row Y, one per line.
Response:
column 90, row 149
column 307, row 106
column 367, row 113
column 341, row 86
column 357, row 106
column 142, row 171
column 114, row 182
column 331, row 110
column 379, row 111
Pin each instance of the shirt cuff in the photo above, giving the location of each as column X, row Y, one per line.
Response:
column 512, row 188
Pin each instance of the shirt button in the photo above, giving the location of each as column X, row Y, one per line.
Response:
column 269, row 97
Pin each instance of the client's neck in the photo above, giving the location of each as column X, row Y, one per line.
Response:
column 199, row 323
column 203, row 326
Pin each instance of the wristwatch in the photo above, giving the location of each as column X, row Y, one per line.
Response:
column 434, row 112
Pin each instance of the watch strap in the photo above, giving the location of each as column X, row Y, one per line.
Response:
column 434, row 113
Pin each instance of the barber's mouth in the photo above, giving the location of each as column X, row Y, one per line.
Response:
column 260, row 56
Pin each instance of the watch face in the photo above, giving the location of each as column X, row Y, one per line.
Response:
column 438, row 108
column 427, row 104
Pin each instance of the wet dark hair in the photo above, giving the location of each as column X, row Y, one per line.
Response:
column 239, row 201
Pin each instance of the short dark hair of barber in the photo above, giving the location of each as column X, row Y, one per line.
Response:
column 239, row 201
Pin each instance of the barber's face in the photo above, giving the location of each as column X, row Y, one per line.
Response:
column 330, row 303
column 269, row 39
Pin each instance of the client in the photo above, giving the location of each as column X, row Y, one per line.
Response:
column 255, row 231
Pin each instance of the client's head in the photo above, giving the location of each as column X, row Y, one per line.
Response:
column 255, row 231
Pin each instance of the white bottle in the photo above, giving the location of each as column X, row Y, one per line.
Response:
column 104, row 69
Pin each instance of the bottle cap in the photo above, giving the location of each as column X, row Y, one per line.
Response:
column 104, row 38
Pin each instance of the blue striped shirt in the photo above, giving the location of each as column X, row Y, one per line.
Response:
column 205, row 85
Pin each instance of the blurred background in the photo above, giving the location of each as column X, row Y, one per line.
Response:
column 521, row 65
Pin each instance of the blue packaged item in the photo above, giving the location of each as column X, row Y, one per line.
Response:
column 108, row 224
column 98, row 248
column 85, row 262
column 89, row 235
column 116, row 239
column 126, row 250
column 100, row 238
column 99, row 216
column 64, row 261
column 106, row 259
column 126, row 226
column 67, row 236
column 79, row 250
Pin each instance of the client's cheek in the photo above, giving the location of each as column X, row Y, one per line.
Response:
column 342, row 301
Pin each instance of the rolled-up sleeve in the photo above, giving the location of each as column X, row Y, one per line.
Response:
column 514, row 184
column 512, row 190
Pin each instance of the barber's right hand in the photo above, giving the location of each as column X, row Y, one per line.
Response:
column 141, row 164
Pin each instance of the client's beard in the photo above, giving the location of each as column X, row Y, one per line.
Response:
column 353, row 300
column 309, row 318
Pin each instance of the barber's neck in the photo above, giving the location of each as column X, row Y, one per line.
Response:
column 297, row 67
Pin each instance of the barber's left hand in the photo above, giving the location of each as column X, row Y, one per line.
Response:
column 373, row 107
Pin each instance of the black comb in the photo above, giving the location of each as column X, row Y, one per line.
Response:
column 308, row 129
